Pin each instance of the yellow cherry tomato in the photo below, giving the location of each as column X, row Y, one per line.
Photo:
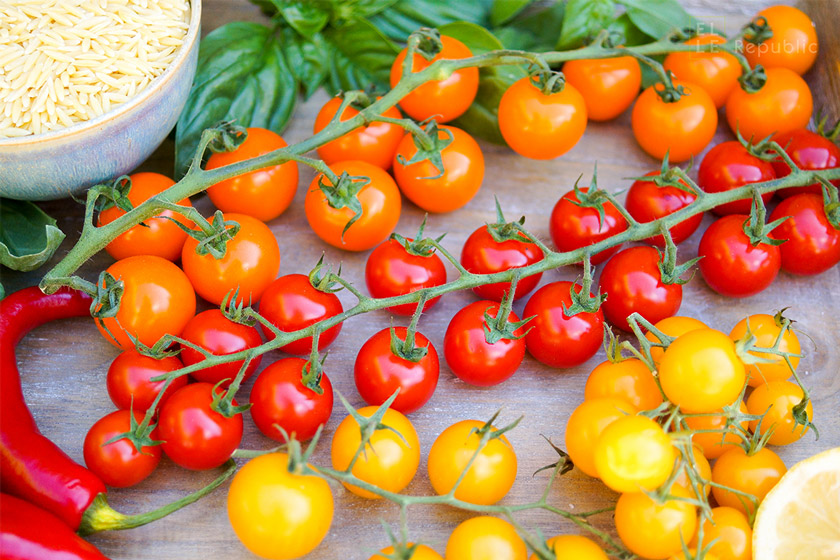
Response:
column 701, row 467
column 765, row 328
column 777, row 399
column 574, row 547
column 754, row 474
column 672, row 326
column 629, row 380
column 730, row 533
column 485, row 538
column 585, row 426
column 655, row 530
column 634, row 453
column 714, row 443
column 421, row 552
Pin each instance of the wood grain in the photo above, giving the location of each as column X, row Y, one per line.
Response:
column 63, row 365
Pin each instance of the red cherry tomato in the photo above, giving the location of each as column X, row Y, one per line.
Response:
column 280, row 398
column 813, row 245
column 292, row 303
column 484, row 255
column 716, row 71
column 608, row 85
column 573, row 226
column 445, row 99
column 195, row 436
column 730, row 165
column 783, row 104
column 379, row 372
column 646, row 201
column 375, row 143
column 219, row 335
column 119, row 464
column 808, row 150
column 539, row 125
column 128, row 380
column 263, row 194
column 633, row 284
column 471, row 357
column 794, row 43
column 556, row 339
column 392, row 271
column 731, row 266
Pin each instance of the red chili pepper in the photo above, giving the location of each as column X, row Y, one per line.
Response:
column 28, row 532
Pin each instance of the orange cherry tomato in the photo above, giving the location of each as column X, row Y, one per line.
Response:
column 375, row 143
column 263, row 194
column 680, row 129
column 716, row 71
column 381, row 204
column 731, row 533
column 574, row 547
column 584, row 428
column 777, row 399
column 634, row 453
column 608, row 85
column 629, row 380
column 463, row 172
column 794, row 43
column 156, row 236
column 714, row 444
column 755, row 474
column 783, row 104
column 701, row 467
column 765, row 330
column 485, row 538
column 250, row 264
column 541, row 126
column 654, row 530
column 445, row 99
column 672, row 326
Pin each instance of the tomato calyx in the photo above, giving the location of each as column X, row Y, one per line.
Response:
column 831, row 201
column 313, row 370
column 669, row 270
column 344, row 194
column 612, row 346
column 235, row 309
column 548, row 81
column 669, row 93
column 426, row 42
column 757, row 31
column 592, row 197
column 223, row 398
column 369, row 425
column 754, row 80
column 499, row 328
column 755, row 228
column 502, row 230
column 406, row 349
column 226, row 137
column 582, row 299
column 114, row 194
column 489, row 432
column 560, row 467
column 138, row 434
column 212, row 236
column 419, row 246
column 325, row 281
column 823, row 129
column 429, row 146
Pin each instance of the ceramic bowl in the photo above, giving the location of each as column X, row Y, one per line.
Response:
column 62, row 162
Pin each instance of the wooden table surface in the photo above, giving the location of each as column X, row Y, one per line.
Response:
column 63, row 365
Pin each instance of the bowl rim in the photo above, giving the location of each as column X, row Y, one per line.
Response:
column 192, row 36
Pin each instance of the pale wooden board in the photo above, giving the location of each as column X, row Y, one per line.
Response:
column 63, row 365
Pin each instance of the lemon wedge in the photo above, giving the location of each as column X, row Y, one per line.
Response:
column 799, row 518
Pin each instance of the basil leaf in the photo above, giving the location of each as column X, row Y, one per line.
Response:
column 308, row 59
column 360, row 56
column 504, row 10
column 583, row 20
column 632, row 34
column 535, row 32
column 351, row 9
column 657, row 18
column 406, row 16
column 481, row 119
column 242, row 76
column 28, row 236
column 649, row 76
column 305, row 17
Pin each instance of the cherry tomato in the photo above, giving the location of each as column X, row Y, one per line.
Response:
column 280, row 398
column 633, row 283
column 655, row 530
column 482, row 254
column 730, row 534
column 646, row 201
column 157, row 300
column 701, row 467
column 119, row 464
column 634, row 453
column 672, row 326
column 766, row 330
column 731, row 265
column 380, row 202
column 711, row 439
column 491, row 474
column 813, row 245
column 716, row 71
column 220, row 336
column 574, row 546
column 585, row 426
column 468, row 353
column 777, row 399
column 808, row 150
column 421, row 552
column 379, row 372
column 292, row 303
column 556, row 339
column 391, row 271
column 539, row 125
column 445, row 99
column 680, row 129
column 375, row 143
column 701, row 372
column 754, row 474
column 390, row 459
column 608, row 85
column 730, row 165
column 785, row 96
column 158, row 236
column 424, row 185
column 128, row 380
column 251, row 262
column 278, row 514
column 484, row 537
column 573, row 226
column 195, row 436
column 263, row 194
column 629, row 380
column 793, row 45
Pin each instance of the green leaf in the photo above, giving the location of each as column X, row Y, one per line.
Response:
column 360, row 56
column 632, row 34
column 28, row 236
column 352, row 9
column 242, row 76
column 407, row 16
column 583, row 20
column 649, row 76
column 305, row 17
column 657, row 18
column 504, row 10
column 535, row 32
column 308, row 59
